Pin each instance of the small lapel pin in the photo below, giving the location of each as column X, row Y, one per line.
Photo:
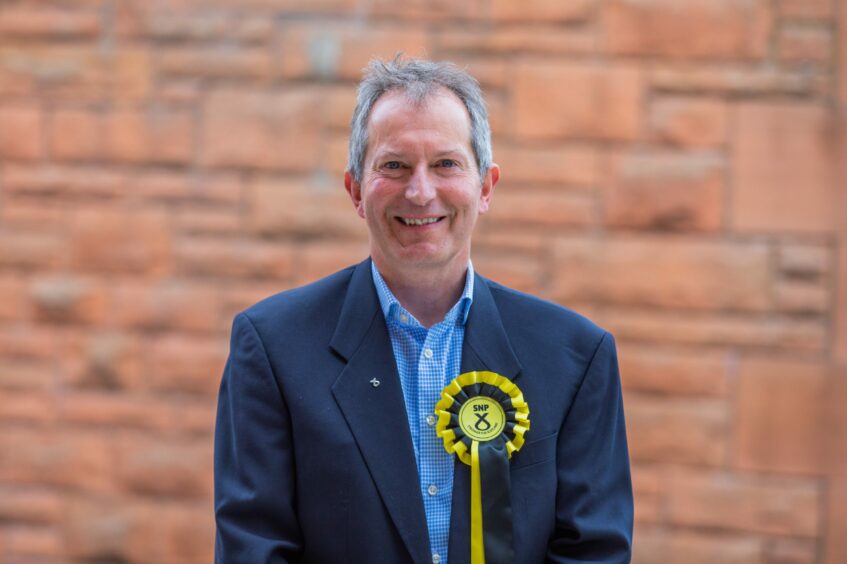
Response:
column 375, row 382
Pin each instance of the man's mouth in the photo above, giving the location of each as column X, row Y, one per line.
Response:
column 420, row 221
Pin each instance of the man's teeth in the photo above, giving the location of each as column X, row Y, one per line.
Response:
column 425, row 221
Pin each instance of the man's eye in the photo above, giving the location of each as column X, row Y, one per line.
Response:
column 392, row 165
column 447, row 163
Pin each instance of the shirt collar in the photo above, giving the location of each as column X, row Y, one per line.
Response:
column 391, row 307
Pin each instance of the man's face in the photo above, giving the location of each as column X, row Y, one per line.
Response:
column 421, row 191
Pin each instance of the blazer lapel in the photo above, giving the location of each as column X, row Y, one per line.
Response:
column 486, row 347
column 375, row 409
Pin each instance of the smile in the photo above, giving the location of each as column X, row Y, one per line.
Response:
column 420, row 221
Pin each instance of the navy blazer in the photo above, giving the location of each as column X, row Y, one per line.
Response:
column 315, row 464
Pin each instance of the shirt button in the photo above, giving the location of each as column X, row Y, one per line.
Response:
column 404, row 318
column 436, row 558
column 432, row 489
column 430, row 420
column 428, row 353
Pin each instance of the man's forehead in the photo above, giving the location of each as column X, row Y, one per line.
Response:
column 400, row 100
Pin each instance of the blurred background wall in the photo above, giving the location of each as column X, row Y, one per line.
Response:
column 672, row 169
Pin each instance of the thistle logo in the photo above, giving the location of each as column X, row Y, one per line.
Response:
column 482, row 418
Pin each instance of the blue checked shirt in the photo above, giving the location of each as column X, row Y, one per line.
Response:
column 427, row 360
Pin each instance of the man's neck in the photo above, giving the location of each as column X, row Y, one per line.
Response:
column 426, row 294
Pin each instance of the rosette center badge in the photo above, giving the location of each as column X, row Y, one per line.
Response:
column 482, row 418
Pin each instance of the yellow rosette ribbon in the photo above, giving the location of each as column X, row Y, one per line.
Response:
column 482, row 417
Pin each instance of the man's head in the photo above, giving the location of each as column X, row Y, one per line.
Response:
column 420, row 166
column 418, row 79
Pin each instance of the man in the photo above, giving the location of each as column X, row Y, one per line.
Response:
column 326, row 449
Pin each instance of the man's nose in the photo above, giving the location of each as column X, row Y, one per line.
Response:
column 421, row 188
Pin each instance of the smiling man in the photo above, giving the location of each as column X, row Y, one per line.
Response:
column 407, row 409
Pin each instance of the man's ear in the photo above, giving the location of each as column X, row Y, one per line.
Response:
column 488, row 184
column 355, row 191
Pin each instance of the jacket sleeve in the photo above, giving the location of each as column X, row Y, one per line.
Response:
column 594, row 494
column 254, row 462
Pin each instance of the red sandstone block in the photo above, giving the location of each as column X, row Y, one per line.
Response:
column 687, row 431
column 332, row 51
column 542, row 209
column 665, row 272
column 340, row 103
column 418, row 11
column 792, row 551
column 783, row 168
column 542, row 10
column 780, row 424
column 22, row 248
column 736, row 79
column 41, row 544
column 111, row 527
column 835, row 550
column 646, row 489
column 658, row 546
column 521, row 272
column 252, row 260
column 840, row 315
column 210, row 221
column 514, row 39
column 572, row 165
column 76, row 134
column 62, row 181
column 101, row 360
column 32, row 345
column 804, row 296
column 188, row 533
column 322, row 258
column 185, row 364
column 805, row 45
column 750, row 502
column 36, row 410
column 14, row 303
column 30, row 505
column 302, row 206
column 689, row 122
column 591, row 101
column 26, row 374
column 703, row 29
column 67, row 299
column 27, row 21
column 137, row 411
column 130, row 75
column 190, row 306
column 69, row 460
column 169, row 22
column 180, row 190
column 120, row 241
column 243, row 63
column 769, row 332
column 805, row 9
column 688, row 372
column 20, row 131
column 172, row 468
column 262, row 129
column 805, row 261
column 666, row 191
column 158, row 136
column 73, row 73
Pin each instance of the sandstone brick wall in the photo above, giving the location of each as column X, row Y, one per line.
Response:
column 676, row 170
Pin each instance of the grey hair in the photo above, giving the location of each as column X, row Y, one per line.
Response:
column 418, row 79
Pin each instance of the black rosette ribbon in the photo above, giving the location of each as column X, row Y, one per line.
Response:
column 482, row 417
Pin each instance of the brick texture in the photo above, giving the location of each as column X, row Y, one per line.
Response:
column 675, row 171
